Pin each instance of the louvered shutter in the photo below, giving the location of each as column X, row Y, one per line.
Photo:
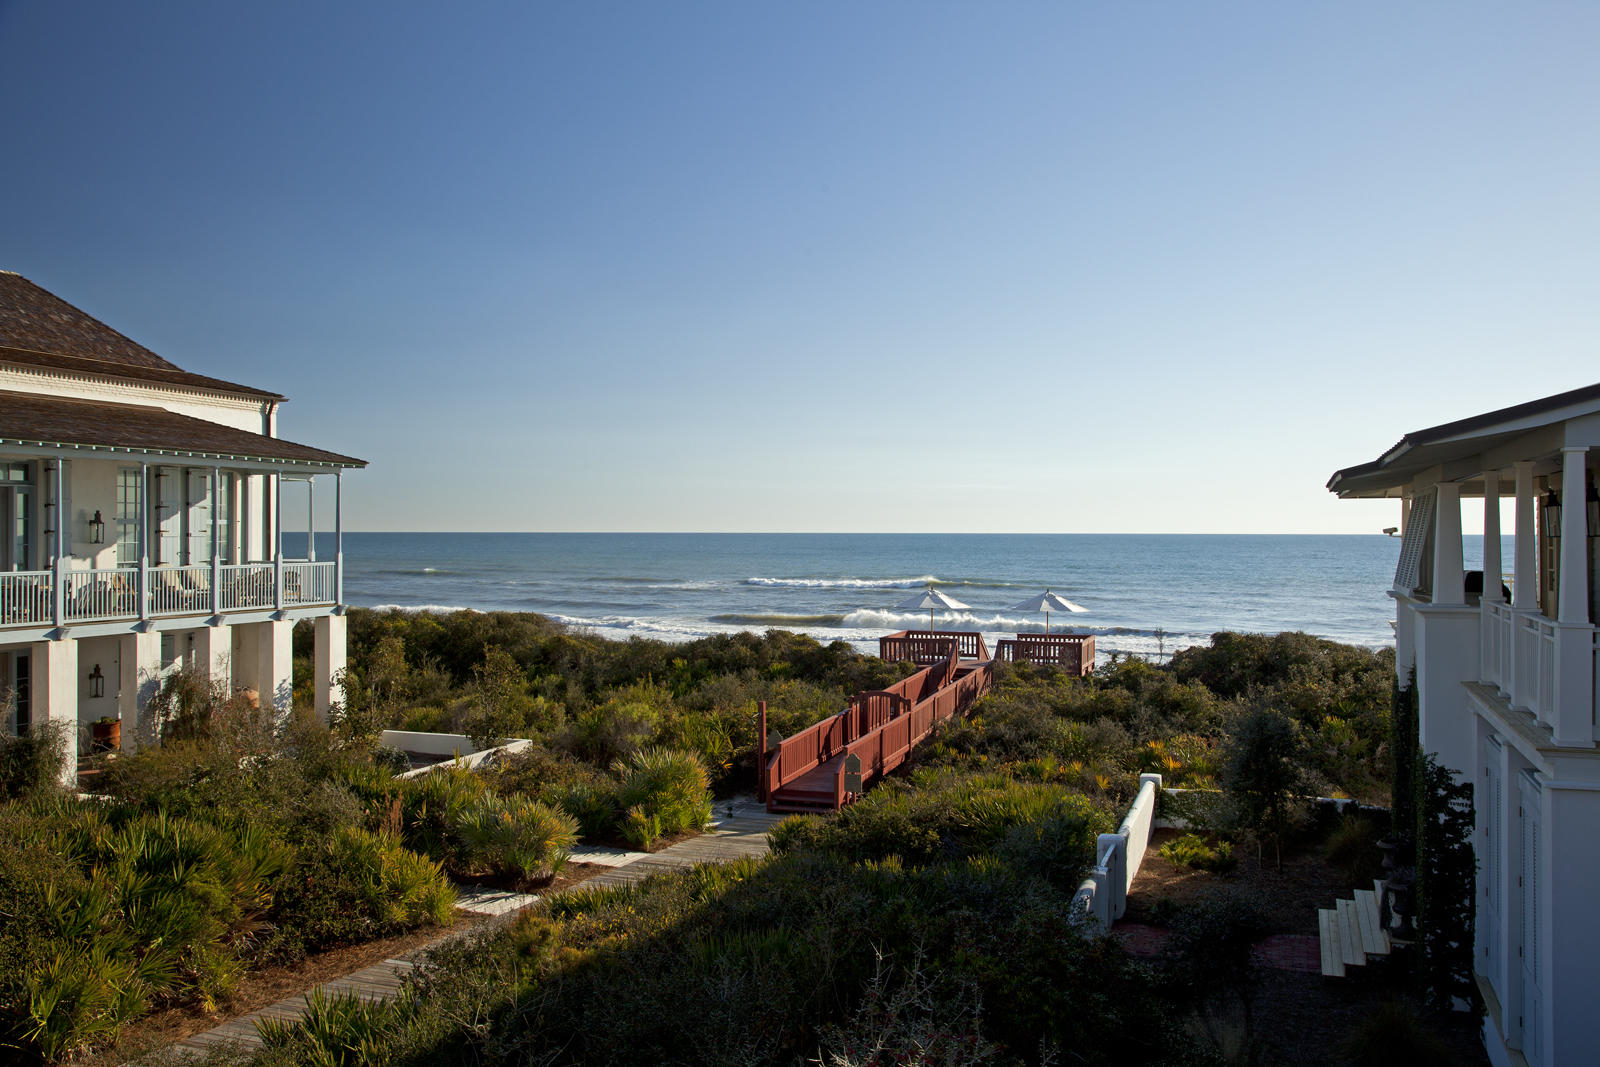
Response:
column 1419, row 528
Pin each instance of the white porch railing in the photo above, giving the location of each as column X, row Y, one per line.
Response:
column 1103, row 896
column 25, row 598
column 180, row 590
column 245, row 586
column 306, row 582
column 94, row 596
column 1498, row 641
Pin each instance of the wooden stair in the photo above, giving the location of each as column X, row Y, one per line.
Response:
column 1351, row 931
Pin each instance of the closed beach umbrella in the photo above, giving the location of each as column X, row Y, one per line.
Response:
column 930, row 598
column 1048, row 602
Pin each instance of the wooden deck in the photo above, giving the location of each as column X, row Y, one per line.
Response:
column 730, row 837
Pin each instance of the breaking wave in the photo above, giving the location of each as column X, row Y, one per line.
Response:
column 780, row 620
column 845, row 583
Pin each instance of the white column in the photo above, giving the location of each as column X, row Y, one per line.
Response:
column 1492, row 566
column 311, row 519
column 1449, row 580
column 338, row 538
column 58, row 568
column 274, row 656
column 328, row 663
column 144, row 541
column 1573, row 605
column 54, row 695
column 138, row 680
column 277, row 542
column 213, row 655
column 216, row 540
column 1405, row 513
column 1525, row 579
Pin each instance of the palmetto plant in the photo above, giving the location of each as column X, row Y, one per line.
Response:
column 661, row 791
column 516, row 835
column 336, row 1030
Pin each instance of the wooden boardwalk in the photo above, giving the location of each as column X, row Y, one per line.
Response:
column 730, row 836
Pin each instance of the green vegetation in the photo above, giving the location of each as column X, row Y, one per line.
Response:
column 930, row 915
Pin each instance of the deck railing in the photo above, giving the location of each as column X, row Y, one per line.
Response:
column 1071, row 652
column 307, row 582
column 28, row 598
column 245, row 586
column 25, row 598
column 925, row 647
column 94, row 596
column 868, row 711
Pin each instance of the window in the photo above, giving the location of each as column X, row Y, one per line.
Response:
column 128, row 517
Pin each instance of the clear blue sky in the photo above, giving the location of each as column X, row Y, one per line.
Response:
column 826, row 266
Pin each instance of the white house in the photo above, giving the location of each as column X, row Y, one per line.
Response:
column 1507, row 695
column 141, row 527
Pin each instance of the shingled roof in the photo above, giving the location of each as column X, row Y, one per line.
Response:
column 39, row 329
column 30, row 420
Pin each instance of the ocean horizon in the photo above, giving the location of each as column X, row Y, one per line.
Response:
column 1146, row 594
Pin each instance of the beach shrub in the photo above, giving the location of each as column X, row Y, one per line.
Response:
column 337, row 1029
column 1192, row 850
column 30, row 762
column 1263, row 775
column 516, row 836
column 1394, row 1033
column 661, row 791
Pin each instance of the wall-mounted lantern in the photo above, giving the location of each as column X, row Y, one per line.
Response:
column 1552, row 513
column 97, row 682
column 97, row 530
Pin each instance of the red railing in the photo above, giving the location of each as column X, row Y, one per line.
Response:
column 886, row 747
column 1072, row 652
column 925, row 647
column 868, row 711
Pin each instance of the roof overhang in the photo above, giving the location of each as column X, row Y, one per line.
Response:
column 64, row 427
column 1463, row 450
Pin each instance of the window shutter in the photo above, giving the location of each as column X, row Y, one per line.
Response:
column 1419, row 526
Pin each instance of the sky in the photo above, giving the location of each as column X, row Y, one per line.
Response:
column 1058, row 267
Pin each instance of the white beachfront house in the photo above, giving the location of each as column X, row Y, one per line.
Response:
column 1507, row 695
column 141, row 528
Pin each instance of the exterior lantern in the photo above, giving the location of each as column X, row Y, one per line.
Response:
column 1552, row 513
column 97, row 530
column 97, row 682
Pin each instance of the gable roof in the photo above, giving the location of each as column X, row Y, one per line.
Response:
column 31, row 420
column 39, row 329
column 1447, row 441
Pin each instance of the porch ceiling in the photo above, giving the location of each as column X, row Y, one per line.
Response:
column 47, row 422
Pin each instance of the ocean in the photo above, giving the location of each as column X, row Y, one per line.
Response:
column 1145, row 593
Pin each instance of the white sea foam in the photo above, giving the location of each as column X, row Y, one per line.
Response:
column 441, row 609
column 844, row 583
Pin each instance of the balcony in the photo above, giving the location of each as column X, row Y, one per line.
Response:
column 65, row 597
column 1526, row 656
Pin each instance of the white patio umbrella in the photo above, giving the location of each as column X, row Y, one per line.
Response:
column 1048, row 602
column 930, row 598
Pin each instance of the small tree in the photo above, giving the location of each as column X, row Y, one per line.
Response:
column 498, row 691
column 1262, row 775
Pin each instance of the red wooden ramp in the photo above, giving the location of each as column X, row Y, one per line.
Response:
column 829, row 764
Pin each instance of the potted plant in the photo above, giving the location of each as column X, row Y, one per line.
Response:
column 106, row 733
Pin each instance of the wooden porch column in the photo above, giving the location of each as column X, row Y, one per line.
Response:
column 277, row 541
column 1491, row 539
column 1573, row 604
column 216, row 541
column 1449, row 580
column 311, row 519
column 144, row 541
column 338, row 538
column 58, row 568
column 1525, row 578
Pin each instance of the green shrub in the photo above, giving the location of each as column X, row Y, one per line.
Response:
column 1352, row 847
column 661, row 791
column 30, row 763
column 336, row 1029
column 1192, row 850
column 516, row 836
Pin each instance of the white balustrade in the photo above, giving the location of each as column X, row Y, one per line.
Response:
column 1103, row 895
column 180, row 590
column 308, row 583
column 245, row 586
column 98, row 595
column 25, row 598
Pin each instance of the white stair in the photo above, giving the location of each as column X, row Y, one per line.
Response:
column 1350, row 931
